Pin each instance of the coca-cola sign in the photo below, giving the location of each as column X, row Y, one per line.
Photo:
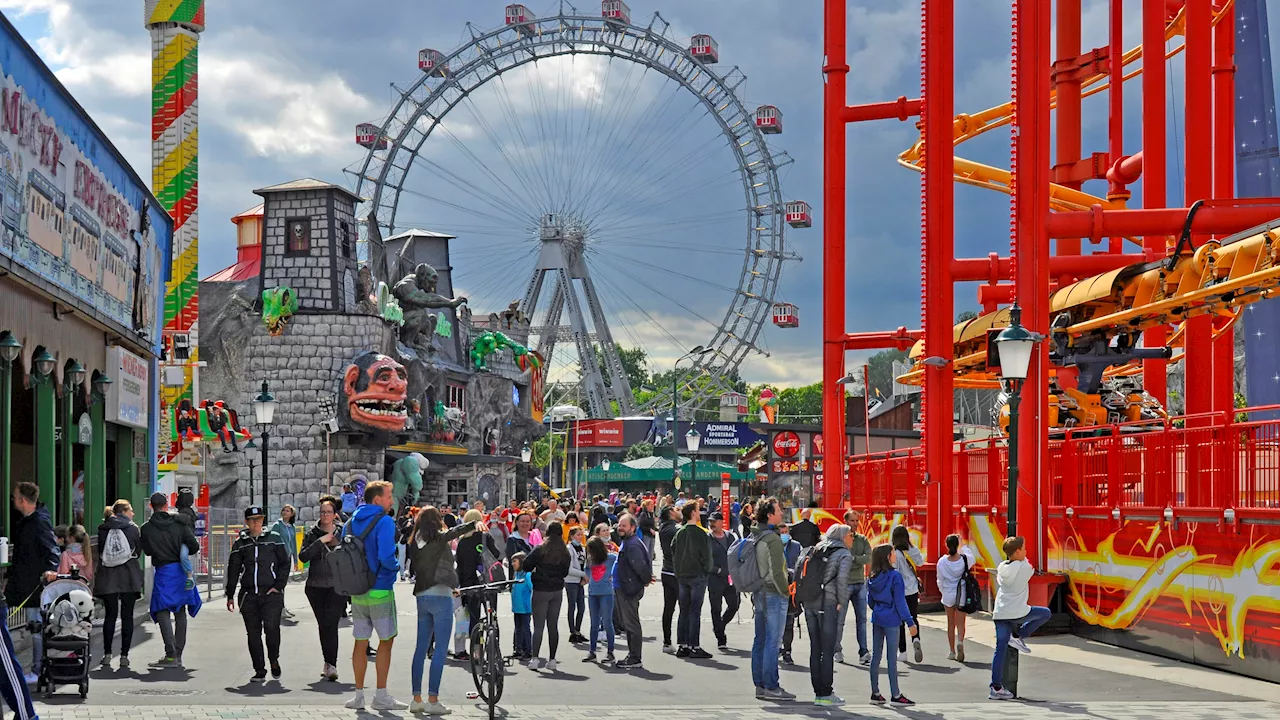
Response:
column 786, row 444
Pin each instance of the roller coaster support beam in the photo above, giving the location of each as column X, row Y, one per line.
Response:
column 901, row 109
column 1067, row 83
column 937, row 302
column 1030, row 243
column 1154, row 168
column 1224, row 175
column 995, row 269
column 1199, row 186
column 834, row 104
column 1214, row 218
column 900, row 339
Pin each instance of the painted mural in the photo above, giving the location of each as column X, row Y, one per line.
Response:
column 1206, row 592
column 64, row 219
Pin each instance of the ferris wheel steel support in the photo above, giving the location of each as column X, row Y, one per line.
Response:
column 420, row 110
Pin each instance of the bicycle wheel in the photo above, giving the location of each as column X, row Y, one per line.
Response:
column 486, row 663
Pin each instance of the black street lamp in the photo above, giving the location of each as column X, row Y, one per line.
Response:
column 10, row 349
column 251, row 445
column 693, row 441
column 1014, row 345
column 265, row 410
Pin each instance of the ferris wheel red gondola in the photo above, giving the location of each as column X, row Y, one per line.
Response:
column 616, row 11
column 799, row 215
column 521, row 18
column 769, row 119
column 785, row 315
column 432, row 62
column 368, row 136
column 704, row 48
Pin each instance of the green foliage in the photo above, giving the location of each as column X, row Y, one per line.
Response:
column 966, row 316
column 800, row 404
column 544, row 448
column 661, row 384
column 637, row 451
column 635, row 363
column 881, row 371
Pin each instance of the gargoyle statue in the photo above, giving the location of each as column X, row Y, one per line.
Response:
column 278, row 306
column 490, row 343
column 417, row 295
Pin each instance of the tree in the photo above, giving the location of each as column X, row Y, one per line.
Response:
column 800, row 404
column 635, row 363
column 881, row 371
column 637, row 451
column 966, row 316
column 544, row 448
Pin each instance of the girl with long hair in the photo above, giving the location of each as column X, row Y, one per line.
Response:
column 951, row 571
column 548, row 565
column 600, row 564
column 907, row 558
column 888, row 613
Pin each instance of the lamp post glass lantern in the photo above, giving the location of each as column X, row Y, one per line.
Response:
column 604, row 464
column 1015, row 345
column 526, row 453
column 10, row 347
column 43, row 363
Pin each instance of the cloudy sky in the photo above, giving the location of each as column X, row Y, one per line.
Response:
column 283, row 83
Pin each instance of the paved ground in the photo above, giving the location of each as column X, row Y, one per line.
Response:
column 1067, row 676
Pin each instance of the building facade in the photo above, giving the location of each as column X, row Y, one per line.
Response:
column 84, row 258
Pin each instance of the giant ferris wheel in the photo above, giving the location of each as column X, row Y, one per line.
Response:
column 605, row 176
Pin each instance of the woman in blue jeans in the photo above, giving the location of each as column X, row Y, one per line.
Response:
column 888, row 612
column 437, row 581
column 600, row 564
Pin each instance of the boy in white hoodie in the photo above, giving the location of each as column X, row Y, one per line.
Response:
column 1014, row 617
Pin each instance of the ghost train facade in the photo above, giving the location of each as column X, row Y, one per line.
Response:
column 378, row 373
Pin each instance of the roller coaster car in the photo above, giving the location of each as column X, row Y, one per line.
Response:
column 1119, row 401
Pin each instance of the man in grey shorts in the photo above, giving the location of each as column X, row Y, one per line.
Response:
column 375, row 611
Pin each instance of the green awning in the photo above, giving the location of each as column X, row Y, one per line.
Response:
column 657, row 470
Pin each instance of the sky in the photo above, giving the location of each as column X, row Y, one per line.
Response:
column 283, row 84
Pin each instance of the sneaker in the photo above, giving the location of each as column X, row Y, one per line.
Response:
column 31, row 678
column 779, row 694
column 356, row 702
column 838, row 657
column 608, row 659
column 591, row 657
column 683, row 652
column 259, row 676
column 959, row 651
column 333, row 673
column 551, row 665
column 951, row 655
column 275, row 670
column 628, row 662
column 1020, row 644
column 877, row 698
column 785, row 659
column 723, row 646
column 668, row 649
column 902, row 701
column 124, row 662
column 166, row 661
column 386, row 702
column 462, row 656
column 534, row 663
column 828, row 700
column 699, row 654
column 106, row 662
column 902, row 656
column 864, row 659
column 431, row 708
column 762, row 694
column 999, row 694
column 915, row 643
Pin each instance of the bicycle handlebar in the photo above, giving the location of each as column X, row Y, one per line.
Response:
column 489, row 587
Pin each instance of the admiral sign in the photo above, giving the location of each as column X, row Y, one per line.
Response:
column 786, row 444
column 733, row 435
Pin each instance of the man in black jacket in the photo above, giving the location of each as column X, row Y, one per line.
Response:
column 634, row 570
column 35, row 559
column 805, row 532
column 260, row 563
column 162, row 539
column 670, row 586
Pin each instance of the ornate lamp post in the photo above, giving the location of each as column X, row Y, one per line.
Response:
column 1015, row 344
column 72, row 379
column 265, row 410
column 697, row 352
column 249, row 446
column 10, row 349
column 604, row 464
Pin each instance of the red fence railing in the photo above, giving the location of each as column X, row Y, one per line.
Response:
column 1198, row 463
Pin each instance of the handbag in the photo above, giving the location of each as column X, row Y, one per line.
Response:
column 969, row 591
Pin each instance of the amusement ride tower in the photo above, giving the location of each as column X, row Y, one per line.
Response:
column 175, row 27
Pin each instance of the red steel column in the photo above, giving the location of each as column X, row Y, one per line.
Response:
column 1068, row 145
column 1154, row 168
column 833, row 255
column 1031, row 248
column 1224, row 175
column 1199, row 186
column 937, row 253
column 1115, row 104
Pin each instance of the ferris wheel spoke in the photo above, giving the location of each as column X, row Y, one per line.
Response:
column 676, row 192
column 519, row 169
column 537, row 177
column 478, row 162
column 629, row 273
column 599, row 141
column 622, row 258
column 659, row 327
column 600, row 160
column 538, row 98
column 460, row 207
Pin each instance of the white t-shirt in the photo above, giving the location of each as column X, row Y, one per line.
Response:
column 949, row 574
column 1014, row 590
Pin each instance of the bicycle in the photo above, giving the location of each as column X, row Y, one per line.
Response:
column 488, row 666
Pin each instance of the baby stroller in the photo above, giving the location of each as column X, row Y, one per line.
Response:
column 66, row 620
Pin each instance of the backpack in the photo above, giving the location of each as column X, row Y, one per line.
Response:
column 811, row 569
column 116, row 551
column 491, row 567
column 350, row 566
column 969, row 590
column 744, row 565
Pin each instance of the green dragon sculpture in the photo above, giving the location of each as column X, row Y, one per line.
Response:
column 491, row 342
column 278, row 306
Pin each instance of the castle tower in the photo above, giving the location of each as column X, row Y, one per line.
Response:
column 175, row 27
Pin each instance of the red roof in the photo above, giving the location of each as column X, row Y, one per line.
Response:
column 247, row 263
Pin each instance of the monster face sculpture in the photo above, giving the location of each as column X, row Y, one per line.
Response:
column 278, row 306
column 373, row 393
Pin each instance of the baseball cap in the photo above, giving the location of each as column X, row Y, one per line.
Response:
column 254, row 511
column 717, row 516
column 159, row 500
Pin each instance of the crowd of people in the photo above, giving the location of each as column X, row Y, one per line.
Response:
column 586, row 561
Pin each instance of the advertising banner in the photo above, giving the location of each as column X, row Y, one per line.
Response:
column 722, row 435
column 127, row 396
column 597, row 433
column 786, row 444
